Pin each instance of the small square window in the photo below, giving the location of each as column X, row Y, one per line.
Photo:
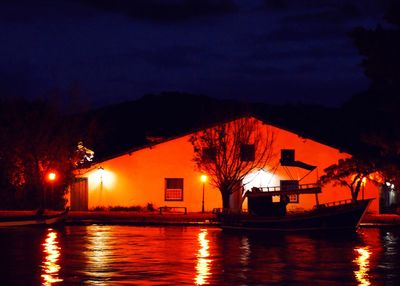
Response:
column 247, row 152
column 287, row 156
column 294, row 198
column 174, row 189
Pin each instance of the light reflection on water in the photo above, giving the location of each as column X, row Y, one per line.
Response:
column 50, row 265
column 245, row 253
column 97, row 254
column 362, row 261
column 203, row 261
column 127, row 255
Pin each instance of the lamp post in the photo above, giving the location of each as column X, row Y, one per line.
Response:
column 203, row 179
column 364, row 180
column 51, row 176
column 101, row 174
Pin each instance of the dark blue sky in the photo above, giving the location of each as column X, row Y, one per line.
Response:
column 272, row 51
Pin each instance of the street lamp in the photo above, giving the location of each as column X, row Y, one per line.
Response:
column 203, row 179
column 51, row 176
column 364, row 180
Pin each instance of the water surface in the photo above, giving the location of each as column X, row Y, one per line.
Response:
column 128, row 255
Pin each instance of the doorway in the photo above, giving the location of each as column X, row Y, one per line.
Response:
column 79, row 195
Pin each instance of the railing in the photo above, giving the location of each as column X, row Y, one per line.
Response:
column 335, row 203
column 309, row 186
column 290, row 188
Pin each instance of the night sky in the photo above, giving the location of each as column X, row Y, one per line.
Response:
column 273, row 51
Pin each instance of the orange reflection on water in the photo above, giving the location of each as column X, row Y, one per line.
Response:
column 203, row 262
column 99, row 254
column 50, row 266
column 362, row 261
column 245, row 253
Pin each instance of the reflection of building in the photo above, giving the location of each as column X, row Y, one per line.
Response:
column 388, row 198
column 164, row 174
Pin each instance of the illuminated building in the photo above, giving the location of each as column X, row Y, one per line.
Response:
column 163, row 173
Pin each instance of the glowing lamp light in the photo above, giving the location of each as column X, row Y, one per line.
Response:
column 51, row 176
column 100, row 171
column 390, row 185
column 102, row 178
column 203, row 178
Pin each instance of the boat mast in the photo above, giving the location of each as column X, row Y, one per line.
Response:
column 316, row 199
column 316, row 194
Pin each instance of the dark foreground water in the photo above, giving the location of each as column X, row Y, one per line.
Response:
column 127, row 255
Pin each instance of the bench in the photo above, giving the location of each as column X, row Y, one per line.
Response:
column 167, row 208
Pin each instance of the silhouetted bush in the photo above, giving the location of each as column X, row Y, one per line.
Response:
column 123, row 209
column 150, row 207
column 99, row 209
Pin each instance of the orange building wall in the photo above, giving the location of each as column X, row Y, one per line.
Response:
column 322, row 156
column 138, row 178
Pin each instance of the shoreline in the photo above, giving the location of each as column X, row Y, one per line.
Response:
column 174, row 219
column 189, row 219
column 140, row 218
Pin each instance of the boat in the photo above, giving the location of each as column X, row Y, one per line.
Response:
column 331, row 216
column 268, row 214
column 39, row 218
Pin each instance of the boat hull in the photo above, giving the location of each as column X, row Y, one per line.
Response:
column 30, row 220
column 346, row 216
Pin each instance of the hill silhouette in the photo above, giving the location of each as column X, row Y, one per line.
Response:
column 116, row 129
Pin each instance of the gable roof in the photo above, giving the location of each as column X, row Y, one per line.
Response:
column 129, row 126
column 151, row 144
